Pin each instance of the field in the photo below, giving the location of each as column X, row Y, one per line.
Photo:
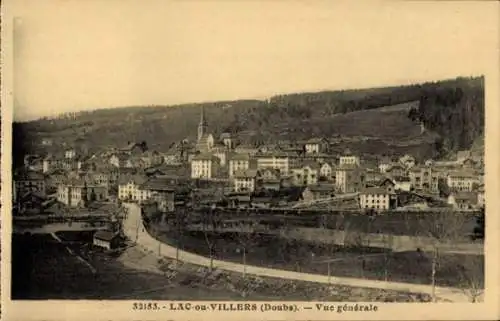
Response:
column 43, row 269
column 368, row 262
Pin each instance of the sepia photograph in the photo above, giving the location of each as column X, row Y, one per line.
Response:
column 243, row 157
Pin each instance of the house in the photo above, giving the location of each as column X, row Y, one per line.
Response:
column 106, row 239
column 246, row 149
column 316, row 145
column 463, row 200
column 328, row 171
column 396, row 170
column 388, row 185
column 373, row 177
column 245, row 180
column 221, row 152
column 70, row 153
column 377, row 198
column 402, row 183
column 171, row 158
column 425, row 178
column 151, row 158
column 462, row 181
column 129, row 187
column 52, row 162
column 120, row 160
column 30, row 203
column 159, row 190
column 307, row 174
column 77, row 193
column 277, row 160
column 407, row 161
column 269, row 179
column 349, row 178
column 134, row 149
column 238, row 162
column 349, row 160
column 204, row 166
column 481, row 200
column 239, row 200
column 227, row 140
column 55, row 178
column 29, row 182
column 318, row 191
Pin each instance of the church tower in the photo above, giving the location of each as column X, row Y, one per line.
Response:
column 202, row 126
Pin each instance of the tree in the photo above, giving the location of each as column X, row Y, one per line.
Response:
column 471, row 273
column 209, row 225
column 388, row 240
column 180, row 225
column 440, row 229
column 246, row 237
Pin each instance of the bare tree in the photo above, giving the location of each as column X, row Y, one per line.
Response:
column 246, row 237
column 388, row 240
column 471, row 273
column 209, row 225
column 180, row 225
column 440, row 229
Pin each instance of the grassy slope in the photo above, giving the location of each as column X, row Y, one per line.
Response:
column 162, row 126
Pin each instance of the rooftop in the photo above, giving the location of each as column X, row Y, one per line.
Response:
column 249, row 173
column 105, row 235
column 465, row 196
column 158, row 184
column 374, row 191
column 206, row 156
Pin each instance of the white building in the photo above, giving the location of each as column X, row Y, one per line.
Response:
column 402, row 183
column 238, row 162
column 245, row 180
column 204, row 166
column 461, row 181
column 75, row 194
column 306, row 175
column 349, row 160
column 70, row 153
column 129, row 188
column 374, row 198
column 327, row 170
column 280, row 161
column 349, row 179
column 316, row 146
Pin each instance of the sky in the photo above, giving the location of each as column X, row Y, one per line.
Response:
column 83, row 55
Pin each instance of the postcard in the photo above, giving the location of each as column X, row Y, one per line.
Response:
column 250, row 160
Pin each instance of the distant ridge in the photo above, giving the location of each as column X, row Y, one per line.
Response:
column 451, row 109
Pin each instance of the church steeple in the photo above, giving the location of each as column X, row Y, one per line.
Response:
column 202, row 126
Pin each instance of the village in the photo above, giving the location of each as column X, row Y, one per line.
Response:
column 220, row 172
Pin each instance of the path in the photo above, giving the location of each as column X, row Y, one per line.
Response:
column 135, row 230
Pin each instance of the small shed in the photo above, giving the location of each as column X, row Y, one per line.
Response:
column 106, row 239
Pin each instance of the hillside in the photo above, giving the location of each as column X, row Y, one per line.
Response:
column 452, row 111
